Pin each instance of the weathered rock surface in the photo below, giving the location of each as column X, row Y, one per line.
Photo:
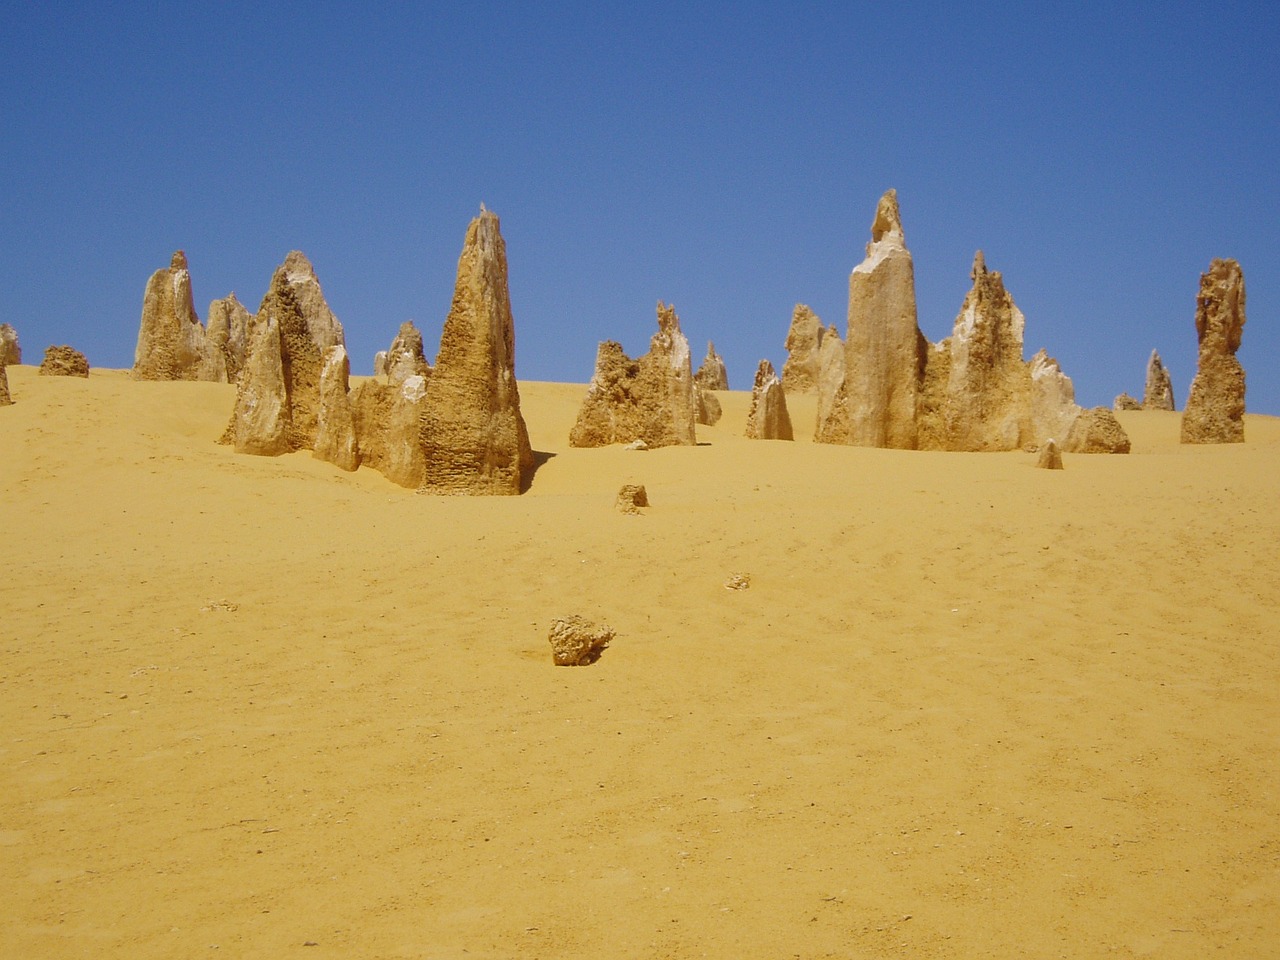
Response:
column 1050, row 457
column 278, row 395
column 64, row 362
column 631, row 498
column 576, row 641
column 649, row 399
column 1158, row 392
column 227, row 332
column 768, row 418
column 10, row 351
column 1097, row 431
column 322, row 325
column 1215, row 404
column 707, row 406
column 388, row 421
column 883, row 344
column 1125, row 402
column 171, row 342
column 803, row 367
column 406, row 358
column 5, row 399
column 474, row 435
column 833, row 417
column 1053, row 400
column 380, row 363
column 335, row 422
column 978, row 397
column 712, row 375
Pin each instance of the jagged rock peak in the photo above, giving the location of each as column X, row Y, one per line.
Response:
column 406, row 357
column 712, row 375
column 171, row 342
column 1215, row 402
column 768, row 418
column 1158, row 391
column 801, row 370
column 979, row 266
column 10, row 351
column 888, row 221
column 323, row 326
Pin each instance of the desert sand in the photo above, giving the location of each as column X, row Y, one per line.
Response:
column 259, row 707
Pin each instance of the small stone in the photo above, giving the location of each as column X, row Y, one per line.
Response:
column 738, row 581
column 576, row 641
column 631, row 498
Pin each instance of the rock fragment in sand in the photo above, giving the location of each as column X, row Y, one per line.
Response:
column 1053, row 400
column 227, row 331
column 576, row 641
column 405, row 358
column 631, row 498
column 768, row 418
column 322, row 325
column 1050, row 457
column 335, row 421
column 171, row 342
column 10, row 350
column 1124, row 402
column 1097, row 431
column 474, row 435
column 1215, row 404
column 738, row 581
column 802, row 369
column 278, row 391
column 883, row 344
column 64, row 362
column 649, row 399
column 712, row 375
column 1158, row 393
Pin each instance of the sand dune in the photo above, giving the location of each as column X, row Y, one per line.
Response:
column 966, row 708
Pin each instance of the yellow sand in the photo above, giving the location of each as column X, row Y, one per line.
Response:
column 967, row 708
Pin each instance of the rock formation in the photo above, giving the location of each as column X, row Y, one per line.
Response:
column 706, row 406
column 64, row 362
column 802, row 370
column 631, row 498
column 978, row 396
column 1215, row 404
column 576, row 641
column 474, row 436
column 712, row 375
column 278, row 396
column 388, row 422
column 883, row 343
column 335, row 421
column 1158, row 393
column 1097, row 431
column 833, row 419
column 649, row 399
column 10, row 351
column 1053, row 400
column 380, row 363
column 768, row 419
column 5, row 399
column 1050, row 457
column 405, row 359
column 227, row 333
column 171, row 342
column 1125, row 402
column 322, row 325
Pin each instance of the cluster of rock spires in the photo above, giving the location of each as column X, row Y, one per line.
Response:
column 454, row 428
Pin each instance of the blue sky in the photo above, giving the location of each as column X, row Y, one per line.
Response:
column 726, row 158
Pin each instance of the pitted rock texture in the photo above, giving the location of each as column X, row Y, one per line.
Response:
column 322, row 325
column 171, row 342
column 1215, row 403
column 576, row 641
column 405, row 358
column 1124, row 402
column 64, row 361
column 1158, row 392
column 631, row 498
column 5, row 399
column 712, row 375
column 1097, row 431
column 227, row 332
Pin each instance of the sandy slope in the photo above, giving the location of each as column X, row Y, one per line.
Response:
column 967, row 708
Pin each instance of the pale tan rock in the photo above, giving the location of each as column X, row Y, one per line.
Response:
column 712, row 375
column 322, row 325
column 985, row 401
column 576, row 641
column 380, row 363
column 1097, row 431
column 406, row 358
column 833, row 418
column 388, row 420
column 474, row 434
column 1050, row 456
column 1124, row 402
column 5, row 398
column 803, row 367
column 64, row 362
column 883, row 344
column 631, row 498
column 768, row 418
column 278, row 391
column 335, row 423
column 1215, row 403
column 707, row 405
column 10, row 350
column 1053, row 400
column 171, row 342
column 649, row 399
column 227, row 332
column 1158, row 393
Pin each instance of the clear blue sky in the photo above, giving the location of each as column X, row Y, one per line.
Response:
column 726, row 158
